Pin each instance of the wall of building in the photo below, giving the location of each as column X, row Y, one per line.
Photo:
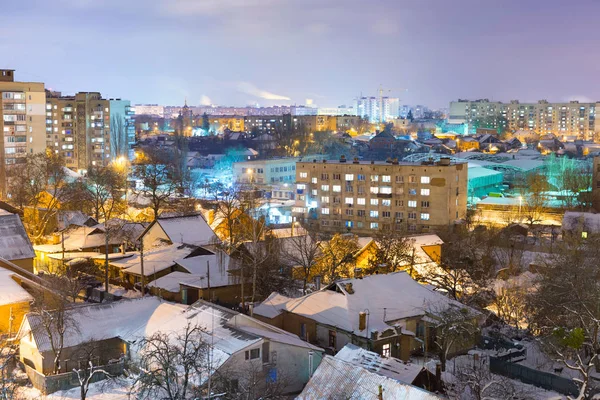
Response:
column 367, row 197
column 14, row 310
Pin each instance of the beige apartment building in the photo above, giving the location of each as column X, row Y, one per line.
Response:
column 23, row 121
column 364, row 197
column 562, row 119
column 88, row 130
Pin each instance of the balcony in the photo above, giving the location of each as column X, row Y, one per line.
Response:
column 384, row 195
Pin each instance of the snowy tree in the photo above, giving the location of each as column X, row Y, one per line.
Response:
column 173, row 366
column 305, row 252
column 88, row 371
column 8, row 356
column 564, row 308
column 394, row 251
column 337, row 257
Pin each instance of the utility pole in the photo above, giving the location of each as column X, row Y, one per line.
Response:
column 105, row 257
column 208, row 277
column 142, row 265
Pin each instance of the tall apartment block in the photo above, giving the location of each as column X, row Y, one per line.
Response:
column 377, row 109
column 88, row 130
column 572, row 118
column 22, row 124
column 364, row 197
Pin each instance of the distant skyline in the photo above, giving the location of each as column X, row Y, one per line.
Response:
column 240, row 52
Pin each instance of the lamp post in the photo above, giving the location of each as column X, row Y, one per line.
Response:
column 520, row 204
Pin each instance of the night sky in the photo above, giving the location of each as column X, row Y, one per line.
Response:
column 238, row 52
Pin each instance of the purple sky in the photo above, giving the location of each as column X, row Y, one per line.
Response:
column 238, row 52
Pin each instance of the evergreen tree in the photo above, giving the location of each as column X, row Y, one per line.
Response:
column 409, row 116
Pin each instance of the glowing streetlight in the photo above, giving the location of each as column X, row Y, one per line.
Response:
column 520, row 203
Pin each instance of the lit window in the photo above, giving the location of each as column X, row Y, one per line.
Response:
column 385, row 190
column 412, row 203
column 374, row 178
column 349, row 200
column 374, row 189
column 386, row 350
column 386, row 203
column 386, row 178
column 314, row 192
column 325, row 211
column 325, row 188
column 324, row 199
column 424, row 192
column 374, row 225
column 374, row 202
column 303, row 174
column 374, row 214
column 301, row 186
column 349, row 177
column 314, row 180
column 337, row 188
column 361, row 201
column 425, row 216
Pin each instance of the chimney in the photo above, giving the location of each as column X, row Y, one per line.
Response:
column 362, row 320
column 374, row 334
column 372, row 162
column 324, row 161
column 310, row 363
column 355, row 160
column 395, row 161
column 318, row 282
column 123, row 247
column 358, row 273
column 342, row 158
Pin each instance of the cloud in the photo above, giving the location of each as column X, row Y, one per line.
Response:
column 210, row 7
column 205, row 100
column 249, row 88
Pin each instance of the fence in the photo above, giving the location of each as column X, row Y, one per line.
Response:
column 531, row 376
column 53, row 383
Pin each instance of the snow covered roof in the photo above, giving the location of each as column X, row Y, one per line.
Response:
column 190, row 229
column 418, row 242
column 272, row 306
column 10, row 291
column 524, row 164
column 155, row 260
column 78, row 238
column 337, row 305
column 336, row 378
column 220, row 266
column 171, row 282
column 373, row 362
column 14, row 242
column 131, row 320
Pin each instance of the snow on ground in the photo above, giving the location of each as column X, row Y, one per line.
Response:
column 104, row 390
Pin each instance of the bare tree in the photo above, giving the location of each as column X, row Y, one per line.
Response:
column 8, row 357
column 173, row 365
column 118, row 137
column 158, row 183
column 304, row 253
column 41, row 172
column 564, row 308
column 455, row 327
column 251, row 381
column 88, row 371
column 337, row 257
column 535, row 196
column 393, row 251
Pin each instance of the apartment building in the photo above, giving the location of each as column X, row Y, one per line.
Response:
column 377, row 109
column 543, row 117
column 364, row 197
column 88, row 130
column 22, row 124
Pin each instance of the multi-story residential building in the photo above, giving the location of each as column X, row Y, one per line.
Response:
column 266, row 172
column 150, row 109
column 22, row 125
column 88, row 130
column 377, row 109
column 303, row 110
column 336, row 111
column 365, row 197
column 562, row 119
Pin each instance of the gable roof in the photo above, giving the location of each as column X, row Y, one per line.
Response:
column 189, row 229
column 336, row 378
column 395, row 295
column 14, row 242
column 156, row 259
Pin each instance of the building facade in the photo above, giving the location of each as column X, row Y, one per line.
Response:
column 150, row 109
column 22, row 125
column 88, row 130
column 561, row 119
column 364, row 197
column 377, row 109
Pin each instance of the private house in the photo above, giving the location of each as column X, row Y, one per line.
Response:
column 190, row 230
column 382, row 141
column 426, row 253
column 413, row 373
column 339, row 379
column 239, row 344
column 390, row 314
column 14, row 302
column 213, row 276
column 15, row 245
column 582, row 224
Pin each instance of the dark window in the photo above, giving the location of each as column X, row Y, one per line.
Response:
column 332, row 339
column 265, row 351
column 252, row 354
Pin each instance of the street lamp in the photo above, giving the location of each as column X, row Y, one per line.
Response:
column 520, row 203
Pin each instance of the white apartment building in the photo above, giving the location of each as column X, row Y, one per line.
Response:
column 377, row 109
column 543, row 117
column 150, row 109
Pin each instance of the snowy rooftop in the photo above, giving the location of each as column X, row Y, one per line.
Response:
column 396, row 294
column 155, row 259
column 14, row 242
column 132, row 320
column 373, row 362
column 171, row 282
column 336, row 378
column 581, row 220
column 78, row 238
column 191, row 229
column 10, row 291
